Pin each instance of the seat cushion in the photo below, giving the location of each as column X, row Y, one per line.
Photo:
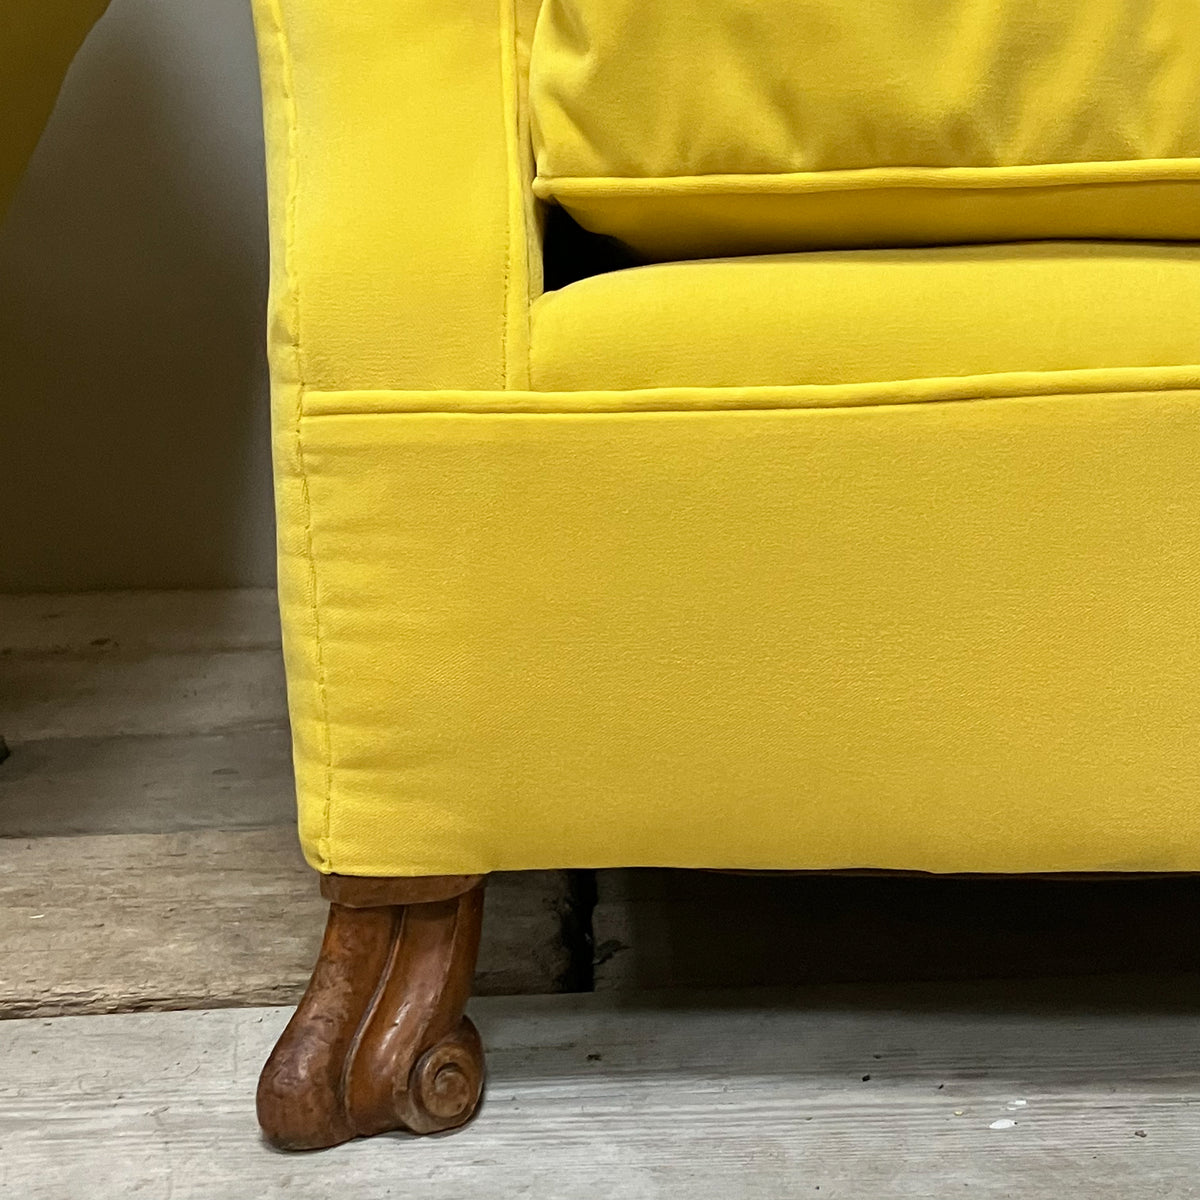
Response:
column 727, row 127
column 862, row 316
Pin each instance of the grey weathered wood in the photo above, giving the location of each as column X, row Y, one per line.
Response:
column 166, row 622
column 208, row 918
column 138, row 664
column 142, row 712
column 111, row 693
column 162, row 713
column 155, row 783
column 642, row 1098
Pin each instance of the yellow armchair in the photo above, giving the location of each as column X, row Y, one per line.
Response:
column 870, row 546
column 38, row 40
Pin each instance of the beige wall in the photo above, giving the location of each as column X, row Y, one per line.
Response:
column 133, row 433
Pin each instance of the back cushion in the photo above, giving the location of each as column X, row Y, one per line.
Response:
column 699, row 127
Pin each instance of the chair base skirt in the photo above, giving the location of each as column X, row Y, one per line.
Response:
column 938, row 626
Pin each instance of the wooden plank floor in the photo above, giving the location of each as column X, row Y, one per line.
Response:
column 148, row 861
column 208, row 918
column 145, row 715
column 142, row 712
column 921, row 1091
column 148, row 851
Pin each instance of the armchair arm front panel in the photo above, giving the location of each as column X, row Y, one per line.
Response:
column 399, row 190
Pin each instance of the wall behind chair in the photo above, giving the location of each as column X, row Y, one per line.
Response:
column 133, row 265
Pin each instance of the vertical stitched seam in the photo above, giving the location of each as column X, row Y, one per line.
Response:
column 530, row 205
column 293, row 294
column 508, row 91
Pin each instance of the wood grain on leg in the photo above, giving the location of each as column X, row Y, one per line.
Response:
column 379, row 1041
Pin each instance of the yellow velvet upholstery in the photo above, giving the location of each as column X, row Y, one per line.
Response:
column 721, row 126
column 649, row 570
column 871, row 315
column 38, row 40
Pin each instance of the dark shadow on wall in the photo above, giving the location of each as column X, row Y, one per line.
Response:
column 133, row 270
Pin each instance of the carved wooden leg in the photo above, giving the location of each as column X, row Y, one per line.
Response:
column 379, row 1041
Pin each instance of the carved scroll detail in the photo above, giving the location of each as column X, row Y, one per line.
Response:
column 379, row 1041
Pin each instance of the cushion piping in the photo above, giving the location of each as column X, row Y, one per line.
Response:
column 1039, row 175
column 887, row 393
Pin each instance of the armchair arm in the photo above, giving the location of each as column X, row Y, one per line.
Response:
column 404, row 247
column 404, row 255
column 37, row 43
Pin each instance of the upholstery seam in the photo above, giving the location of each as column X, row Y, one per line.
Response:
column 508, row 232
column 1026, row 175
column 289, row 238
column 675, row 411
column 512, row 197
column 670, row 403
column 527, row 203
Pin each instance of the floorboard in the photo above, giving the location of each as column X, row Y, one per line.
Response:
column 151, row 727
column 148, row 783
column 206, row 918
column 167, row 622
column 887, row 1093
